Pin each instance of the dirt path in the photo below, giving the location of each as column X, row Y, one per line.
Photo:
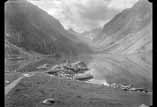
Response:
column 9, row 87
column 12, row 85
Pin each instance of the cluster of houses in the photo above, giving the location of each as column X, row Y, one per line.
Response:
column 128, row 88
column 78, row 71
column 69, row 70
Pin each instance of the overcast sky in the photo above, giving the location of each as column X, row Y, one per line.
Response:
column 83, row 15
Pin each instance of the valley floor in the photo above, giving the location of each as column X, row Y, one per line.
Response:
column 31, row 91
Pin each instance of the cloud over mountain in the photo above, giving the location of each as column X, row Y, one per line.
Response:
column 82, row 15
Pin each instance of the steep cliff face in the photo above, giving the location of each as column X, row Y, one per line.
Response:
column 33, row 29
column 128, row 32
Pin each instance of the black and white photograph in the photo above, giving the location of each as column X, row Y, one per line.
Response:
column 78, row 53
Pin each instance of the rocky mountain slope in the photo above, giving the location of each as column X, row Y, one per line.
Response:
column 125, row 47
column 128, row 32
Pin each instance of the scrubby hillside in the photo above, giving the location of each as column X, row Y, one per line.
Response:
column 33, row 29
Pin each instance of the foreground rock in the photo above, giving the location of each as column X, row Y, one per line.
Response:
column 48, row 101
